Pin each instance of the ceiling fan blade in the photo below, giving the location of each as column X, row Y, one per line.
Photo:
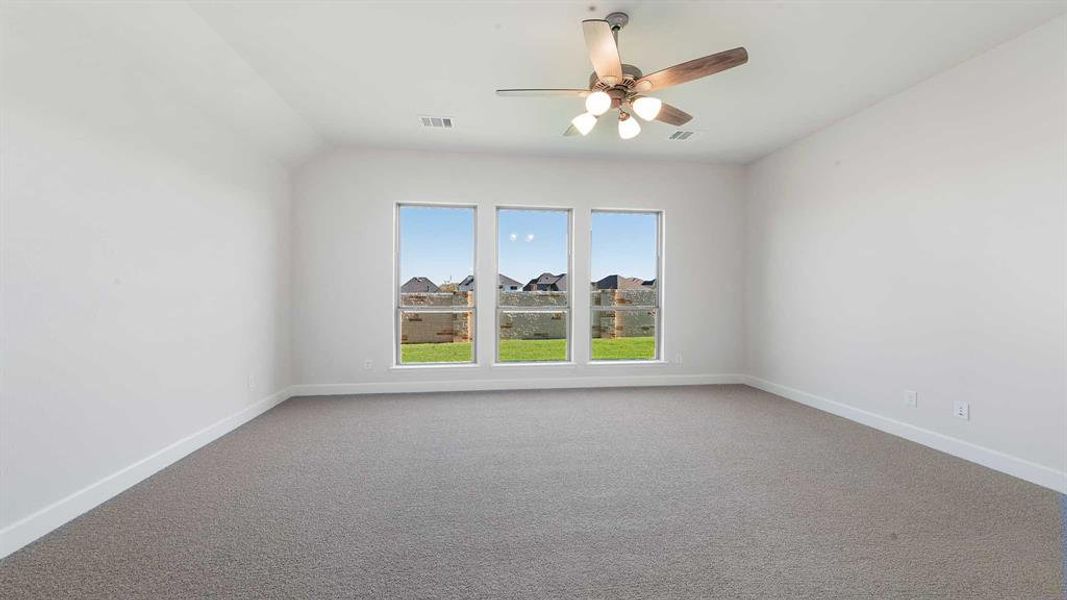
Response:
column 572, row 130
column 672, row 115
column 694, row 69
column 603, row 51
column 547, row 92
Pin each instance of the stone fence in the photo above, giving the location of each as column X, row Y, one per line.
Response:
column 438, row 327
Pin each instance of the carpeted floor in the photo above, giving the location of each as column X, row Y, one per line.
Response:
column 695, row 492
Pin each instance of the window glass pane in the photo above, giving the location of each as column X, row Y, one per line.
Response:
column 435, row 268
column 436, row 262
column 624, row 295
column 624, row 258
column 532, row 336
column 436, row 337
column 624, row 334
column 443, row 298
column 532, row 247
column 533, row 298
column 533, row 255
column 639, row 295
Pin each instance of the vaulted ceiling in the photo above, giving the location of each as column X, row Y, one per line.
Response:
column 361, row 73
column 291, row 75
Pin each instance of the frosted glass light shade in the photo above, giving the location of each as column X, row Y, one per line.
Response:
column 647, row 108
column 597, row 103
column 629, row 128
column 584, row 123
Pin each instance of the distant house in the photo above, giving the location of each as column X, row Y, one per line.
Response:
column 503, row 283
column 419, row 285
column 618, row 282
column 650, row 283
column 507, row 284
column 547, row 282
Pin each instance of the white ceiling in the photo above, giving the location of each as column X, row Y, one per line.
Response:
column 138, row 68
column 289, row 76
column 361, row 72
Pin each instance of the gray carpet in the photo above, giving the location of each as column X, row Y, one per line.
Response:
column 698, row 492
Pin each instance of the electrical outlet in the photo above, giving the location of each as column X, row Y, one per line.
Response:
column 368, row 365
column 961, row 410
column 678, row 358
column 911, row 398
column 251, row 383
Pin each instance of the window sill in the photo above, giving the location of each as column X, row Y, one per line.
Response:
column 628, row 363
column 416, row 367
column 568, row 364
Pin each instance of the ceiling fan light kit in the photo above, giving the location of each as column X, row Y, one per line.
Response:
column 614, row 85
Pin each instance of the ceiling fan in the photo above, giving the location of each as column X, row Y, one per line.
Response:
column 614, row 85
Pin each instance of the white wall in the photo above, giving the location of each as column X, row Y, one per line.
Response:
column 920, row 245
column 144, row 253
column 343, row 262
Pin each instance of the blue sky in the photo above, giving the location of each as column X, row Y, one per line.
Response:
column 624, row 244
column 438, row 243
column 532, row 242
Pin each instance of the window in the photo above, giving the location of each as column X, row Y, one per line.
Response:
column 625, row 296
column 435, row 313
column 533, row 297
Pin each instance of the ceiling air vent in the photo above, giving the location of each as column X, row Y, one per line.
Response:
column 436, row 122
column 681, row 135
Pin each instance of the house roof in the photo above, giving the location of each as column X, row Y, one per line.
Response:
column 618, row 282
column 419, row 285
column 548, row 279
column 502, row 280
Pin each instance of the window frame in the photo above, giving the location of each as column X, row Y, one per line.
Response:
column 658, row 357
column 567, row 310
column 399, row 309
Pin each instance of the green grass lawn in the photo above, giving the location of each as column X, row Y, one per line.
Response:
column 635, row 348
column 532, row 350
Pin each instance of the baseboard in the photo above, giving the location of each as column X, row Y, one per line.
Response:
column 998, row 461
column 28, row 529
column 526, row 383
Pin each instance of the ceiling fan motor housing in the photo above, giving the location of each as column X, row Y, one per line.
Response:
column 630, row 74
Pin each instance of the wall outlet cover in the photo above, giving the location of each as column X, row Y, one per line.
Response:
column 961, row 409
column 911, row 398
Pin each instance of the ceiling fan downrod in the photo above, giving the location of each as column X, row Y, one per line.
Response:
column 617, row 20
